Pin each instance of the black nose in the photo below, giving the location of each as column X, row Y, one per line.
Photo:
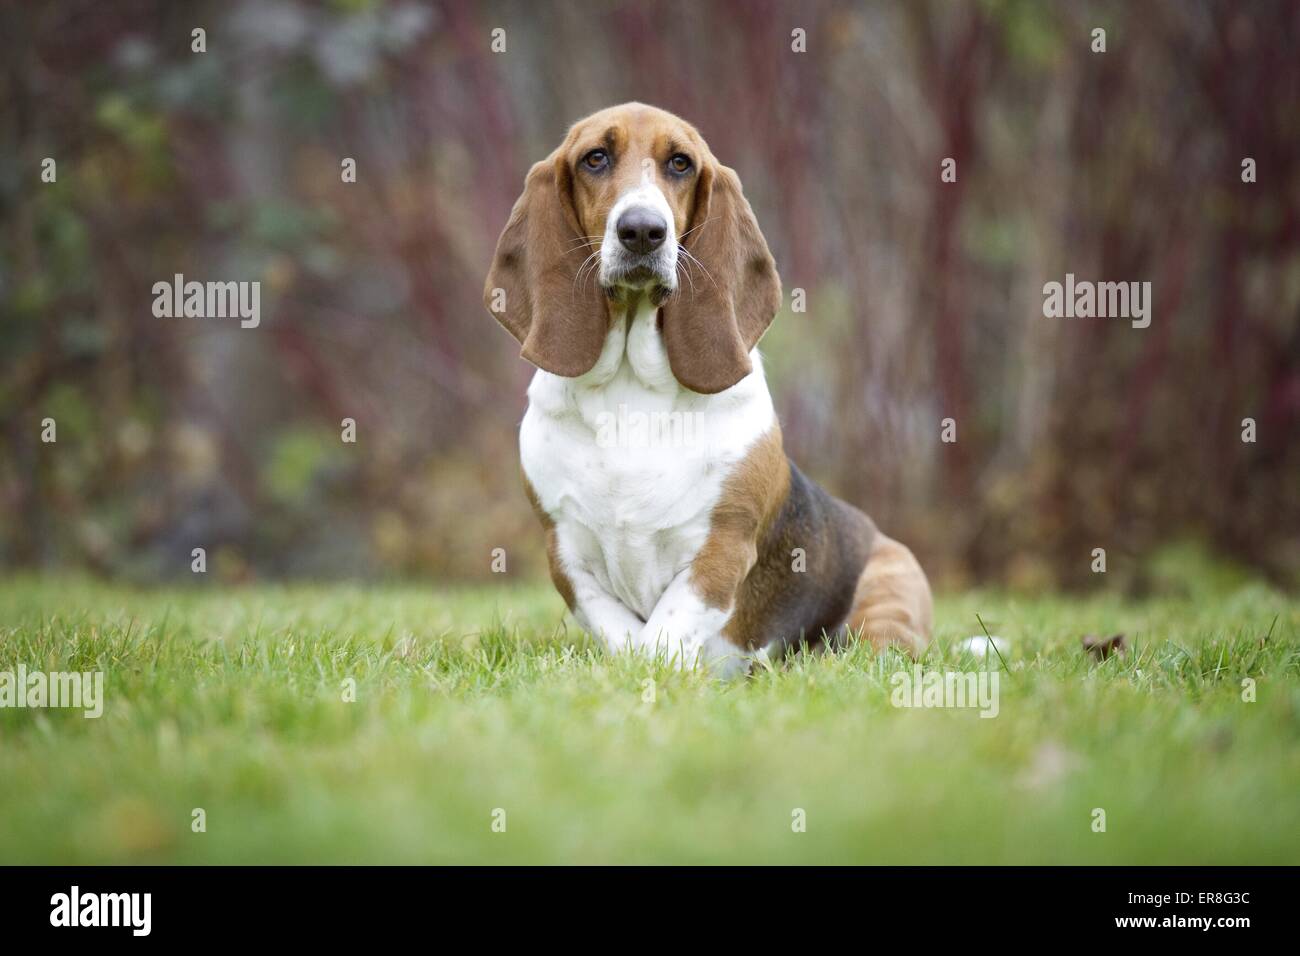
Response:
column 641, row 230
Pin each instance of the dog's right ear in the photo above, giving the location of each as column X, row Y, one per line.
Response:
column 533, row 287
column 710, row 328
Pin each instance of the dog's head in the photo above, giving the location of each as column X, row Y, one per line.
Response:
column 633, row 204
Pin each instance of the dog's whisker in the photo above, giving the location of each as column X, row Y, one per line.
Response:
column 693, row 228
column 588, row 266
column 578, row 276
column 691, row 257
column 682, row 267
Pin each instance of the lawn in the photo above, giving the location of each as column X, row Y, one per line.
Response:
column 476, row 706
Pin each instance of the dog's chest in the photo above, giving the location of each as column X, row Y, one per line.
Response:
column 629, row 466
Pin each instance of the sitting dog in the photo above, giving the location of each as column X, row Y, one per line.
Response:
column 635, row 277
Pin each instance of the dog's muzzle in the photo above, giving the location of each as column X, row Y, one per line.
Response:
column 639, row 252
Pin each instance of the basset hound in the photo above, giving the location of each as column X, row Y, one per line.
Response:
column 635, row 277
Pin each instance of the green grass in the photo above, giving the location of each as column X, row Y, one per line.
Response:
column 472, row 700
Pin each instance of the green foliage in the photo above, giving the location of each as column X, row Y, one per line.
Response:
column 1030, row 29
column 141, row 130
column 1188, row 567
column 285, row 224
column 296, row 458
column 68, row 406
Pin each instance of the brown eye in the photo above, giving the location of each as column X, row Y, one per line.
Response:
column 596, row 159
column 680, row 163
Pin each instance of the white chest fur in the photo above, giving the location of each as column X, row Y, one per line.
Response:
column 629, row 465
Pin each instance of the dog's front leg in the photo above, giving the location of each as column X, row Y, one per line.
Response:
column 688, row 631
column 601, row 614
column 596, row 610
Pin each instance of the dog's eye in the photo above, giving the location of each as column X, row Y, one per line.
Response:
column 596, row 159
column 680, row 163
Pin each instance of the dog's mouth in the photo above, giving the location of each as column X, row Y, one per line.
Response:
column 648, row 274
column 639, row 276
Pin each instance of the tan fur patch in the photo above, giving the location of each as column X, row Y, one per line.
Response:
column 558, row 577
column 751, row 497
column 892, row 604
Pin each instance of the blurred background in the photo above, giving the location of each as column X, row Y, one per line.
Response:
column 924, row 298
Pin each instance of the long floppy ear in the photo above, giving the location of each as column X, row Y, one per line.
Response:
column 533, row 288
column 710, row 328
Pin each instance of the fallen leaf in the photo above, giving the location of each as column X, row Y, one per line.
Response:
column 1102, row 647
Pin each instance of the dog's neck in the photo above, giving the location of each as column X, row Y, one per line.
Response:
column 633, row 356
column 633, row 372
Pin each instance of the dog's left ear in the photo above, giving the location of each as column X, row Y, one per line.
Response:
column 710, row 328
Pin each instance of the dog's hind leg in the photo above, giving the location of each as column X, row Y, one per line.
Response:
column 892, row 602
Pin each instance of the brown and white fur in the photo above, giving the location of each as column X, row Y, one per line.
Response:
column 634, row 275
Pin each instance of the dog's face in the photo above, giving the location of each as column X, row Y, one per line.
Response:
column 635, row 172
column 629, row 205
